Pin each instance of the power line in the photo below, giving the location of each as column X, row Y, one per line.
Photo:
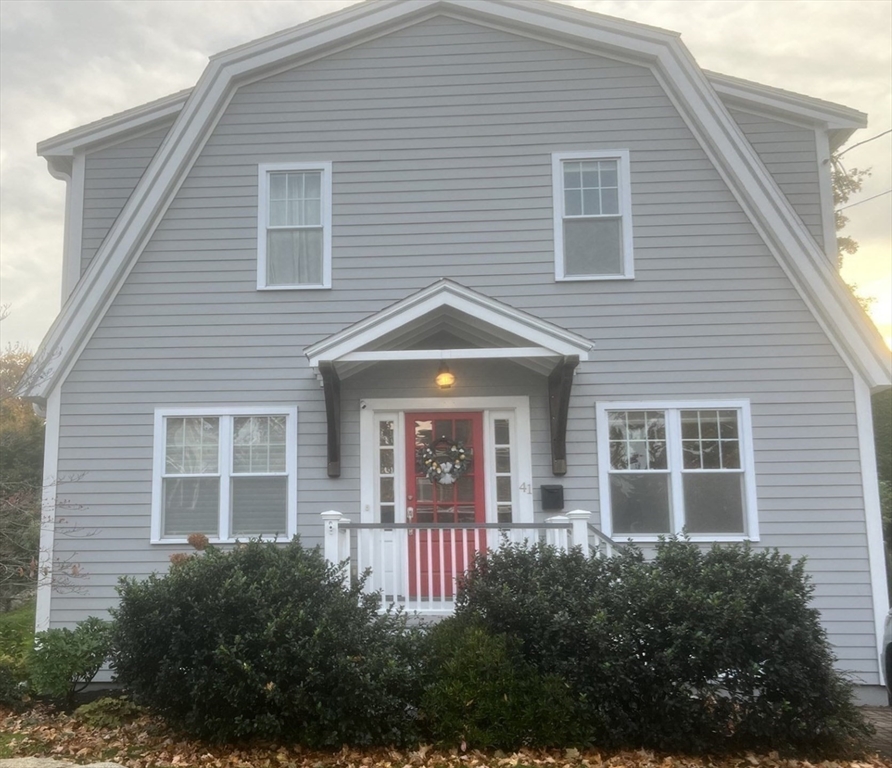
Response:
column 866, row 199
column 863, row 142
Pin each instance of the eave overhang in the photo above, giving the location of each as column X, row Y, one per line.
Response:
column 686, row 85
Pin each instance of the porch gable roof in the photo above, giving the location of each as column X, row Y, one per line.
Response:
column 495, row 329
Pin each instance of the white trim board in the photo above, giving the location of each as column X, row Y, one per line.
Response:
column 46, row 556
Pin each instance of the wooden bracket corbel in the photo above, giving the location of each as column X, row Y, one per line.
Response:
column 331, row 386
column 560, row 382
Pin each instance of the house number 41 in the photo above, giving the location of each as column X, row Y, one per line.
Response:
column 526, row 488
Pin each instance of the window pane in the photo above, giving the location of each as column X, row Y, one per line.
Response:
column 277, row 186
column 503, row 489
column 572, row 202
column 640, row 503
column 385, row 432
column 192, row 446
column 504, row 513
column 503, row 459
column 294, row 257
column 191, row 505
column 638, row 440
column 591, row 202
column 592, row 247
column 610, row 202
column 259, row 505
column 502, row 432
column 387, row 515
column 258, row 444
column 590, row 174
column 608, row 173
column 572, row 176
column 713, row 502
column 387, row 489
column 385, row 463
column 728, row 424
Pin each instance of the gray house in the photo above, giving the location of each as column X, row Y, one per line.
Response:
column 422, row 275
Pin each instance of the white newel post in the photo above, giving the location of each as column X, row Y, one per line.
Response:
column 330, row 537
column 557, row 537
column 579, row 520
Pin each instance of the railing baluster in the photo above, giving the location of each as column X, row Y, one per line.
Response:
column 442, row 565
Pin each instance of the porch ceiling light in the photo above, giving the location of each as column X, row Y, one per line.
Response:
column 445, row 378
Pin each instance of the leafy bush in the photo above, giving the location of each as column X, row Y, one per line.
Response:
column 266, row 641
column 64, row 661
column 484, row 695
column 13, row 681
column 108, row 712
column 692, row 651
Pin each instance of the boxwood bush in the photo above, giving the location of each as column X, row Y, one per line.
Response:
column 480, row 693
column 265, row 641
column 695, row 651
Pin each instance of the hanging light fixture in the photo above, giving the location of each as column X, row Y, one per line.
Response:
column 445, row 378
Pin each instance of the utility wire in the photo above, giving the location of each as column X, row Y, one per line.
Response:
column 866, row 199
column 863, row 142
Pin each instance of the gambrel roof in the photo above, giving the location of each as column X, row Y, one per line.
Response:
column 687, row 86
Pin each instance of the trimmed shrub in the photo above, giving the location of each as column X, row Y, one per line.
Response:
column 692, row 651
column 266, row 641
column 483, row 694
column 65, row 661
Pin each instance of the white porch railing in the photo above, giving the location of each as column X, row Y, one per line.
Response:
column 417, row 565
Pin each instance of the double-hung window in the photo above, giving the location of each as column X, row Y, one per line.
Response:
column 592, row 215
column 294, row 226
column 225, row 473
column 672, row 467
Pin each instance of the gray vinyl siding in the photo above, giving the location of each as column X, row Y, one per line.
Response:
column 790, row 154
column 110, row 176
column 441, row 137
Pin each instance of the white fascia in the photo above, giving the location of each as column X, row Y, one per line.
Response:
column 46, row 558
column 825, row 191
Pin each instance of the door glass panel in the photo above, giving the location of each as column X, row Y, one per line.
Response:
column 463, row 431
column 387, row 490
column 443, row 430
column 447, row 515
column 465, row 514
column 386, row 463
column 424, row 489
column 503, row 459
column 503, row 489
column 464, row 488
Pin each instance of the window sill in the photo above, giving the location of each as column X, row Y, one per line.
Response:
column 726, row 538
column 293, row 287
column 215, row 541
column 590, row 278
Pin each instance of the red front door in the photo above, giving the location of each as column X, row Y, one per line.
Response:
column 443, row 495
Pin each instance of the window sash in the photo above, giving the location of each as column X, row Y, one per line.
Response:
column 592, row 187
column 683, row 482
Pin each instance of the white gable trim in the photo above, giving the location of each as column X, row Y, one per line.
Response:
column 698, row 103
column 546, row 339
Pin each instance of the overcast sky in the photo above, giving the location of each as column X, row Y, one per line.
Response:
column 64, row 63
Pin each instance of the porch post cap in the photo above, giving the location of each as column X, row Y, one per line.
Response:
column 579, row 514
column 331, row 515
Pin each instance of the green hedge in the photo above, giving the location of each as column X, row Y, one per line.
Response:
column 265, row 641
column 691, row 651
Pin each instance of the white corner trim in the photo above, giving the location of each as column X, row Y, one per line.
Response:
column 825, row 193
column 74, row 226
column 673, row 433
column 872, row 515
column 48, row 511
column 263, row 172
column 624, row 177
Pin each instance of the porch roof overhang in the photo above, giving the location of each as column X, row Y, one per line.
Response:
column 477, row 327
column 487, row 328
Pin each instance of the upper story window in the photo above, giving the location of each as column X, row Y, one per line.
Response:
column 294, row 226
column 592, row 215
column 668, row 468
column 224, row 473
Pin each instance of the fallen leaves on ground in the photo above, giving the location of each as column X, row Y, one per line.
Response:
column 149, row 743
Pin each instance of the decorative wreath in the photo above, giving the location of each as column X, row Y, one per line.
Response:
column 444, row 461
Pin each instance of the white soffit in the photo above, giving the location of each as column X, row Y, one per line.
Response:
column 697, row 101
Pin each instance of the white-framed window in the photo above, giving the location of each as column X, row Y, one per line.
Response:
column 673, row 467
column 228, row 473
column 592, row 215
column 294, row 226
